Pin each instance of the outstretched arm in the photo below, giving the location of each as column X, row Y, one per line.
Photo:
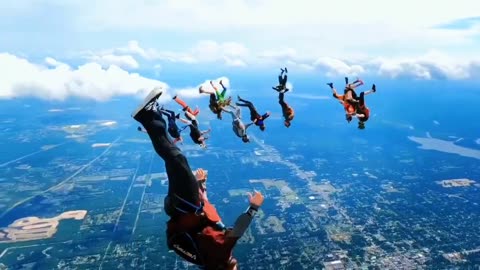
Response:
column 244, row 220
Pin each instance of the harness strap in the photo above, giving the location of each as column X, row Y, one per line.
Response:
column 197, row 210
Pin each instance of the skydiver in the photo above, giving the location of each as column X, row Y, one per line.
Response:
column 197, row 136
column 287, row 111
column 349, row 107
column 195, row 230
column 282, row 82
column 220, row 95
column 239, row 128
column 173, row 129
column 255, row 117
column 217, row 100
column 362, row 111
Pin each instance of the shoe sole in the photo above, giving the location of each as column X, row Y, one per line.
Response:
column 154, row 94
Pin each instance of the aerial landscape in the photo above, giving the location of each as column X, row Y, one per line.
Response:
column 82, row 188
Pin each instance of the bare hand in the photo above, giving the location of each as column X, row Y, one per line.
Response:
column 200, row 174
column 256, row 199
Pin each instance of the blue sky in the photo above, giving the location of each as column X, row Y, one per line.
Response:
column 68, row 47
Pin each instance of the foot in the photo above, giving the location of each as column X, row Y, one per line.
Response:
column 359, row 82
column 221, row 83
column 174, row 97
column 239, row 98
column 283, row 70
column 150, row 99
column 200, row 89
column 286, row 70
column 346, row 80
column 330, row 84
column 177, row 116
column 374, row 88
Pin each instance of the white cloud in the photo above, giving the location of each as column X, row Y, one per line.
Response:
column 124, row 61
column 205, row 51
column 23, row 78
column 192, row 92
column 335, row 67
column 433, row 65
column 53, row 62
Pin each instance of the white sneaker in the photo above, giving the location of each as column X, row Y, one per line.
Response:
column 152, row 96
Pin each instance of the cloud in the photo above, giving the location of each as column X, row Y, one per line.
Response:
column 124, row 61
column 59, row 81
column 205, row 51
column 192, row 92
column 433, row 65
column 335, row 67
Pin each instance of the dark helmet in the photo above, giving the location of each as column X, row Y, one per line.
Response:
column 262, row 127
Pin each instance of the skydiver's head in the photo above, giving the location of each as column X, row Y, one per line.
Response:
column 262, row 127
column 361, row 125
column 245, row 138
column 287, row 123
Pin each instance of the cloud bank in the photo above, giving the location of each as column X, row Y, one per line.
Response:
column 56, row 80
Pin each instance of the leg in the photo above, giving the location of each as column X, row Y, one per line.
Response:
column 224, row 89
column 238, row 112
column 185, row 106
column 169, row 114
column 180, row 102
column 213, row 99
column 284, row 80
column 281, row 99
column 231, row 113
column 373, row 90
column 172, row 114
column 190, row 116
column 208, row 91
column 223, row 93
column 181, row 180
column 361, row 99
column 244, row 100
column 185, row 121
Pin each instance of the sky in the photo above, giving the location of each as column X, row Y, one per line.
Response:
column 56, row 49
